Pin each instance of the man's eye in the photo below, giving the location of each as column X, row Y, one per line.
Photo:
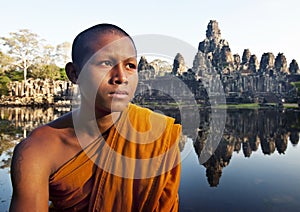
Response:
column 106, row 63
column 131, row 66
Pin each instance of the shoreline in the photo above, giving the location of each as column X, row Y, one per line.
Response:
column 67, row 103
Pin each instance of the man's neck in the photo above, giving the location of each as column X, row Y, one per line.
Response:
column 106, row 121
column 89, row 124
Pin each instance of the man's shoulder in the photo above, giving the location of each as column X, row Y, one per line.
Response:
column 37, row 135
column 36, row 144
column 44, row 135
column 47, row 146
column 42, row 143
column 31, row 155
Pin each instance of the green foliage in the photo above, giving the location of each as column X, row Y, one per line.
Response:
column 63, row 74
column 44, row 71
column 15, row 75
column 239, row 106
column 297, row 85
column 4, row 80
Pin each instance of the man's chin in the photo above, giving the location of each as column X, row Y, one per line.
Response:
column 118, row 107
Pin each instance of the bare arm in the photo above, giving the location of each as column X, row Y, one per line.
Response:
column 29, row 175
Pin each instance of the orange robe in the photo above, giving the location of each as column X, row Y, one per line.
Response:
column 136, row 168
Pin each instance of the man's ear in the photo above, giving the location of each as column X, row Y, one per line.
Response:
column 71, row 71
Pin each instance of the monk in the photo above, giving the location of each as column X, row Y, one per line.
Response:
column 107, row 155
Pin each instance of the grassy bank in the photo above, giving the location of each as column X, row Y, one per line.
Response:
column 257, row 106
column 227, row 106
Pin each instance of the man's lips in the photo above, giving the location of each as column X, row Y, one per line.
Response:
column 118, row 94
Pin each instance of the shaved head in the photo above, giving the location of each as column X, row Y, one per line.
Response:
column 82, row 46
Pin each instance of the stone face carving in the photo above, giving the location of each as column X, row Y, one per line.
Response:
column 200, row 63
column 178, row 65
column 244, row 66
column 281, row 63
column 267, row 63
column 237, row 61
column 146, row 71
column 293, row 67
column 246, row 56
column 144, row 65
column 218, row 49
column 213, row 32
column 227, row 61
column 253, row 64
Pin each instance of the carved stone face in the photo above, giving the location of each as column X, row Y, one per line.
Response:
column 237, row 59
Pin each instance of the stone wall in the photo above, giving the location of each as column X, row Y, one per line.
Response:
column 39, row 92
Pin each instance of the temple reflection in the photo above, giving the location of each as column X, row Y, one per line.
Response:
column 248, row 130
column 17, row 122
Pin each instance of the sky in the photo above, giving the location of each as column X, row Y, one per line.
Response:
column 258, row 25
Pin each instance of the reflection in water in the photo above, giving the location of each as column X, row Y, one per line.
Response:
column 247, row 130
column 16, row 123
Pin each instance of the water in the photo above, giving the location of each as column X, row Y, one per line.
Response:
column 254, row 167
column 15, row 124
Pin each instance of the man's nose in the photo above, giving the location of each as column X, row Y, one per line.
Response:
column 119, row 74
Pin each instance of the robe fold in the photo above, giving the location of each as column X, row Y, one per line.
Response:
column 135, row 168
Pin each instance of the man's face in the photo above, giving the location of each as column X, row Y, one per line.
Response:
column 109, row 78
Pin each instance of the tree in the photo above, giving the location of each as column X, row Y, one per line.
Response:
column 48, row 55
column 23, row 47
column 46, row 71
column 63, row 53
column 46, row 65
column 5, row 62
column 5, row 66
column 4, row 80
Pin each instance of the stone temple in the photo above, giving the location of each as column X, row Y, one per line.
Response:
column 242, row 79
